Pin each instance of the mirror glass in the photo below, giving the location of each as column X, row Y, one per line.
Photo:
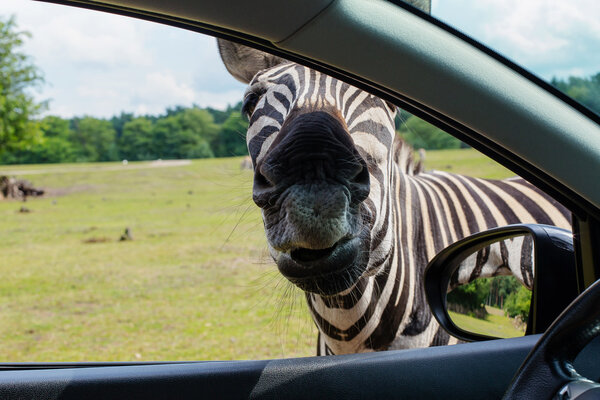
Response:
column 490, row 291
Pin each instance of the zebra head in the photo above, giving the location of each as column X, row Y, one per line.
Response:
column 322, row 152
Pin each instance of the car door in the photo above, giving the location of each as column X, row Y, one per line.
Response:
column 444, row 78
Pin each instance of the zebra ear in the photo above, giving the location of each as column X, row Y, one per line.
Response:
column 423, row 5
column 244, row 62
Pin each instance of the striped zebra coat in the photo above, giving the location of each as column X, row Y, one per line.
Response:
column 348, row 216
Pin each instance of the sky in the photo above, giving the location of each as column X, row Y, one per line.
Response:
column 101, row 64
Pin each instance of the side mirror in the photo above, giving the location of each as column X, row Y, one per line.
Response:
column 539, row 256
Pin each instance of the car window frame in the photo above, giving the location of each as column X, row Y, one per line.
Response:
column 456, row 129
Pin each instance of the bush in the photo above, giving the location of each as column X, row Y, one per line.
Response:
column 517, row 303
column 421, row 134
column 471, row 297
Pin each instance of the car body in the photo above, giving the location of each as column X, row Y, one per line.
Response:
column 412, row 60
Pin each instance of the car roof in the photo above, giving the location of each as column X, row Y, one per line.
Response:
column 400, row 55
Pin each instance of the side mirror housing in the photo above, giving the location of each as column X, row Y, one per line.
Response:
column 554, row 274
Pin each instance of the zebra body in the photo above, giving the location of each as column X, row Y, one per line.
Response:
column 348, row 217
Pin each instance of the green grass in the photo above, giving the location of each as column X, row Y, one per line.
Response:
column 466, row 162
column 496, row 324
column 195, row 283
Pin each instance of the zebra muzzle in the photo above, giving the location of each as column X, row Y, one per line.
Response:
column 323, row 271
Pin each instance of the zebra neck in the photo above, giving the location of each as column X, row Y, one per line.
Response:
column 351, row 322
column 428, row 218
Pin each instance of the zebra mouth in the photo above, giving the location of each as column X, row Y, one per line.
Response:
column 323, row 271
column 302, row 255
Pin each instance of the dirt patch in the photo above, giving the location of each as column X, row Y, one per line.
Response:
column 97, row 240
column 98, row 168
column 58, row 192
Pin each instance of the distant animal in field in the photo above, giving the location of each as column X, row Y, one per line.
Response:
column 19, row 189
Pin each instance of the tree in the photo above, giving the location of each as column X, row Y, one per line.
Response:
column 517, row 303
column 420, row 134
column 231, row 141
column 94, row 139
column 53, row 146
column 136, row 140
column 200, row 124
column 120, row 121
column 18, row 128
column 500, row 288
column 584, row 90
column 471, row 296
column 53, row 126
column 185, row 133
column 221, row 116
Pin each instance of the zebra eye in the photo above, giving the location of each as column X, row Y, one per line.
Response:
column 250, row 101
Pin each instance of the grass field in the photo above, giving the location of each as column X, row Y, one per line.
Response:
column 195, row 283
column 496, row 324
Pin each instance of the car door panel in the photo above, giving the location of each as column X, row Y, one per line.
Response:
column 464, row 371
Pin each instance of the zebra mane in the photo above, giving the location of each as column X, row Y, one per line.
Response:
column 403, row 156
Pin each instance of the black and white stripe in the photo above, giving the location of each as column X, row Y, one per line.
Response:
column 406, row 219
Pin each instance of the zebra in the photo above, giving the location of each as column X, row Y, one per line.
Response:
column 349, row 216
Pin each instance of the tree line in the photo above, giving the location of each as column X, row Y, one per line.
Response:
column 182, row 132
column 504, row 292
column 25, row 137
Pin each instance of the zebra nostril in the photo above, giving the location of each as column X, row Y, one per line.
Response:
column 265, row 176
column 261, row 181
column 263, row 188
column 362, row 177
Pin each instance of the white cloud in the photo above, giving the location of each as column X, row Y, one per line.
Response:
column 150, row 93
column 101, row 64
column 538, row 28
column 71, row 35
column 549, row 37
column 78, row 43
column 166, row 86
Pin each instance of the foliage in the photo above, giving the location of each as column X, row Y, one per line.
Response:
column 504, row 292
column 136, row 141
column 584, row 90
column 221, row 116
column 119, row 122
column 517, row 303
column 18, row 127
column 232, row 139
column 500, row 288
column 54, row 146
column 421, row 134
column 471, row 296
column 94, row 139
column 183, row 132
